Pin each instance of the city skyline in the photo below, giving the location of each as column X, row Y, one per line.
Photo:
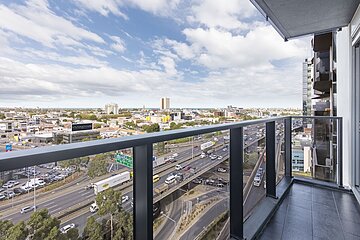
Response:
column 70, row 61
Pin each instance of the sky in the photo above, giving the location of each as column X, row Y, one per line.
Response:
column 200, row 53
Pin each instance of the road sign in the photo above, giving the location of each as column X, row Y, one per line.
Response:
column 8, row 147
column 125, row 160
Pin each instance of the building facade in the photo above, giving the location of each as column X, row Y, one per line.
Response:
column 164, row 103
column 111, row 108
column 307, row 86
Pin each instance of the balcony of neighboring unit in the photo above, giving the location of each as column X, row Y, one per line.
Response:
column 322, row 42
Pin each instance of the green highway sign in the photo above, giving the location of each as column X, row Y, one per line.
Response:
column 125, row 160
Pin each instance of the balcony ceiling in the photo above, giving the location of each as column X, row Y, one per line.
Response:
column 294, row 18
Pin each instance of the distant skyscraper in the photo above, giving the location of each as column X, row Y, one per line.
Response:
column 165, row 103
column 111, row 108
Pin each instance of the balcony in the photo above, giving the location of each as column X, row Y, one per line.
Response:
column 279, row 180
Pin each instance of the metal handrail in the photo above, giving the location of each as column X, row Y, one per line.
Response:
column 37, row 156
column 143, row 156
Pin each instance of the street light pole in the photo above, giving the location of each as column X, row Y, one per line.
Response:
column 34, row 190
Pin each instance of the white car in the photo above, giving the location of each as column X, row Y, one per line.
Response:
column 213, row 157
column 175, row 155
column 222, row 170
column 27, row 209
column 178, row 167
column 124, row 198
column 202, row 155
column 66, row 228
column 219, row 157
column 2, row 197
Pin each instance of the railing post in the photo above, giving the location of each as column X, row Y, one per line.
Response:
column 340, row 151
column 270, row 160
column 143, row 192
column 236, row 182
column 288, row 156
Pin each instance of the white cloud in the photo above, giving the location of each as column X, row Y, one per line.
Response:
column 118, row 44
column 227, row 15
column 37, row 22
column 216, row 49
column 104, row 7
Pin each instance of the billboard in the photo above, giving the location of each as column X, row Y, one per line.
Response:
column 81, row 126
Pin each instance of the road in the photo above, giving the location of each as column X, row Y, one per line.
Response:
column 80, row 195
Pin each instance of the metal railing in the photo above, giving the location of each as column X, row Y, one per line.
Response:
column 143, row 170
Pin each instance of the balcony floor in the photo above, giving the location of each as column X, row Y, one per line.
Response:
column 310, row 212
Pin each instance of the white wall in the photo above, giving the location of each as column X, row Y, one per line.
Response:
column 344, row 98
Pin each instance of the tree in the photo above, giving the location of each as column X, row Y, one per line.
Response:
column 41, row 224
column 123, row 226
column 72, row 234
column 17, row 232
column 92, row 229
column 130, row 125
column 97, row 166
column 152, row 128
column 97, row 125
column 2, row 116
column 4, row 228
column 108, row 202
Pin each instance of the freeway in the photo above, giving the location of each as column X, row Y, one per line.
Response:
column 78, row 195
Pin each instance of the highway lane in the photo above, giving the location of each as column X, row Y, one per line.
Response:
column 206, row 219
column 53, row 205
column 168, row 228
column 60, row 203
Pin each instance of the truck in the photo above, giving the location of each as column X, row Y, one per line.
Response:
column 111, row 182
column 161, row 188
column 158, row 162
column 207, row 145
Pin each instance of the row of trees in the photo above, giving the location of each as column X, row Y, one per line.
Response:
column 41, row 226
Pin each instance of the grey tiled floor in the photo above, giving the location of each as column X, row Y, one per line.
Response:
column 315, row 213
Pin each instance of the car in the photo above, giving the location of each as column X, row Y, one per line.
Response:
column 220, row 185
column 202, row 155
column 2, row 189
column 2, row 197
column 170, row 179
column 18, row 191
column 219, row 157
column 124, row 199
column 221, row 180
column 210, row 182
column 197, row 181
column 9, row 194
column 179, row 177
column 7, row 185
column 66, row 228
column 260, row 170
column 178, row 167
column 222, row 170
column 213, row 157
column 12, row 183
column 27, row 209
column 87, row 187
column 175, row 155
column 225, row 149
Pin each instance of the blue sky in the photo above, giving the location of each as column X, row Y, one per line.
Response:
column 200, row 53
